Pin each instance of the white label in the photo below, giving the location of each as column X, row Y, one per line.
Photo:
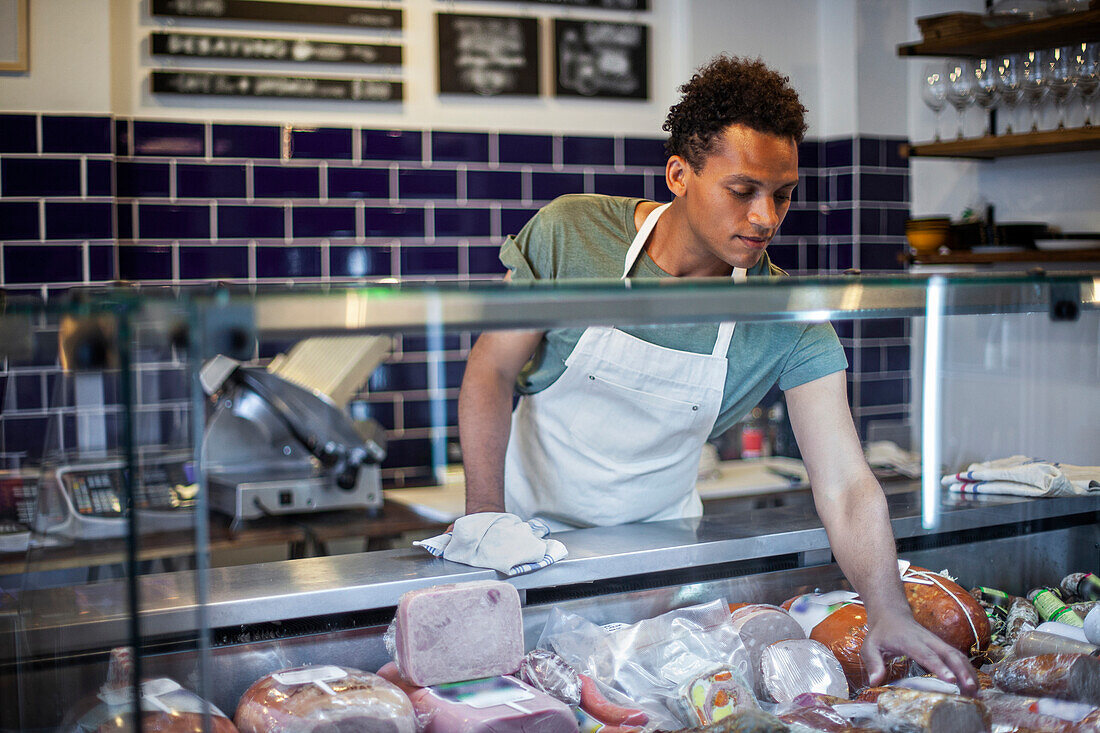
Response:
column 149, row 690
column 1071, row 711
column 927, row 684
column 612, row 628
column 836, row 596
column 309, row 675
column 903, row 567
column 484, row 693
column 853, row 710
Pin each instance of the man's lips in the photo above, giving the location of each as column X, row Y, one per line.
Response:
column 759, row 242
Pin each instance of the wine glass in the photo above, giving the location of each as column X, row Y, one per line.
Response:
column 1087, row 76
column 933, row 91
column 1034, row 81
column 961, row 88
column 987, row 90
column 1008, row 81
column 1061, row 69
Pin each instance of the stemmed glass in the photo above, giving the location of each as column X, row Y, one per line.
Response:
column 933, row 91
column 1035, row 82
column 1008, row 81
column 1087, row 77
column 1061, row 68
column 987, row 88
column 961, row 88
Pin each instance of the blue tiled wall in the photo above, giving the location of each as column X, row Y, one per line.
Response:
column 94, row 198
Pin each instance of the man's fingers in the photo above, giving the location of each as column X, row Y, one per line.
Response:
column 872, row 660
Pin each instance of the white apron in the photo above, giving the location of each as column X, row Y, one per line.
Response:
column 617, row 438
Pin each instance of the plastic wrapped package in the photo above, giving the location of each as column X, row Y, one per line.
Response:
column 1018, row 712
column 1022, row 617
column 457, row 632
column 796, row 666
column 551, row 674
column 1064, row 676
column 165, row 708
column 748, row 720
column 595, row 704
column 324, row 698
column 651, row 664
column 842, row 632
column 932, row 712
column 1033, row 643
column 947, row 610
column 817, row 718
column 759, row 626
column 712, row 696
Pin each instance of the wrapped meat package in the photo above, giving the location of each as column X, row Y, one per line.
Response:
column 749, row 720
column 1065, row 676
column 842, row 632
column 947, row 610
column 1017, row 712
column 549, row 673
column 324, row 698
column 793, row 667
column 932, row 712
column 760, row 626
column 457, row 632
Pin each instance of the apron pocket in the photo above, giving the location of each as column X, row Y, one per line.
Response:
column 621, row 423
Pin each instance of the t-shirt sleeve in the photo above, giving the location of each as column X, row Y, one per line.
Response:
column 817, row 353
column 529, row 254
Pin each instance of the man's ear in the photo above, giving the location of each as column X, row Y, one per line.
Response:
column 677, row 172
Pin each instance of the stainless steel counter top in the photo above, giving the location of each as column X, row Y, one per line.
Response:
column 92, row 615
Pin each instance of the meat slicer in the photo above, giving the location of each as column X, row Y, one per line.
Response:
column 276, row 443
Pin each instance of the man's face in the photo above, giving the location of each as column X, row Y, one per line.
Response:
column 737, row 200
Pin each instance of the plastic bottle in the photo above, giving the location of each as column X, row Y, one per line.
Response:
column 752, row 435
column 1051, row 608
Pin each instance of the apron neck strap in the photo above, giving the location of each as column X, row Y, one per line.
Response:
column 725, row 329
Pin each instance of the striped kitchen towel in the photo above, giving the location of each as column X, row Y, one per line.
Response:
column 1025, row 476
column 497, row 540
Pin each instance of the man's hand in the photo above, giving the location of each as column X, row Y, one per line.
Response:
column 898, row 634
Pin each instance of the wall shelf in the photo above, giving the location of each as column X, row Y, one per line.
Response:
column 1060, row 30
column 1025, row 143
column 966, row 257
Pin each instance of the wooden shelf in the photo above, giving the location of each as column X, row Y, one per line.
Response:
column 963, row 257
column 1061, row 30
column 1026, row 143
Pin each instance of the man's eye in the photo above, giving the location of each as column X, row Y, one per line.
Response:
column 782, row 197
column 741, row 194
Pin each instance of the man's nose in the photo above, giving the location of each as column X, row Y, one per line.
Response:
column 763, row 213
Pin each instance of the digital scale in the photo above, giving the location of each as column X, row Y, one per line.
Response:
column 18, row 500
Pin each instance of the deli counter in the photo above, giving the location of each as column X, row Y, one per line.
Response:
column 996, row 366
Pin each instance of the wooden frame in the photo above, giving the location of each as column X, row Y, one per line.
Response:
column 15, row 58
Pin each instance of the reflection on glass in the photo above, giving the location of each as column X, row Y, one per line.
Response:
column 987, row 89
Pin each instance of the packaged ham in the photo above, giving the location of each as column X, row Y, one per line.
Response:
column 546, row 671
column 796, row 666
column 842, row 633
column 1022, row 713
column 749, row 720
column 819, row 718
column 1065, row 676
column 932, row 712
column 760, row 626
column 457, row 632
column 489, row 705
column 947, row 610
column 1033, row 643
column 324, row 698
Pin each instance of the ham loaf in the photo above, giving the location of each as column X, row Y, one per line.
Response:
column 933, row 712
column 843, row 632
column 947, row 610
column 1064, row 676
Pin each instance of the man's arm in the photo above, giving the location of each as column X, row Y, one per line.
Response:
column 485, row 413
column 853, row 509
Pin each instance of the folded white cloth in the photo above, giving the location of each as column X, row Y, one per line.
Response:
column 497, row 540
column 1024, row 476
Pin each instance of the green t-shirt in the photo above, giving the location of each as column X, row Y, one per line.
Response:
column 587, row 236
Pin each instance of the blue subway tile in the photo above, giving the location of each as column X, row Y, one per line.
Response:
column 122, row 137
column 100, row 173
column 101, row 262
column 883, row 187
column 434, row 260
column 467, row 146
column 411, row 342
column 512, row 220
column 286, row 182
column 870, row 221
column 26, row 391
column 210, row 181
column 27, row 436
column 250, row 222
column 532, row 149
column 546, row 186
column 209, row 262
column 246, row 141
column 124, row 220
column 418, row 413
column 462, row 222
column 394, row 222
column 65, row 134
column 882, row 392
column 169, row 139
column 784, row 256
column 843, row 257
column 359, row 261
column 288, row 262
column 870, row 359
column 78, row 220
column 644, row 151
column 18, row 134
column 895, row 149
column 881, row 256
column 485, row 261
column 494, row 185
column 392, row 145
column 620, row 184
column 417, row 183
column 660, row 187
column 810, row 254
column 408, row 453
column 375, row 410
column 405, row 377
column 838, row 153
column 324, row 143
column 809, row 154
column 838, row 222
column 144, row 262
column 806, row 191
column 897, row 358
column 895, row 222
column 842, row 187
column 870, row 151
column 844, row 328
column 801, row 223
column 323, row 221
column 40, row 177
column 162, row 221
column 452, row 373
column 359, row 183
column 886, row 328
column 143, row 179
column 588, row 150
column 43, row 263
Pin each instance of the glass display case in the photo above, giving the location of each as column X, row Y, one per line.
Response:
column 187, row 428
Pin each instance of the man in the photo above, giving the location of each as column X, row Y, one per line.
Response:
column 612, row 421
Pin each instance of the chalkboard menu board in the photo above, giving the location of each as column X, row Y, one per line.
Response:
column 205, row 45
column 488, row 55
column 603, row 4
column 266, row 85
column 597, row 59
column 358, row 16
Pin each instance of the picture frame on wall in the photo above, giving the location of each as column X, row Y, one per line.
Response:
column 488, row 55
column 599, row 59
column 14, row 36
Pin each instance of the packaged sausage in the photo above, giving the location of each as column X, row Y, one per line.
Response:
column 546, row 671
column 1017, row 712
column 1065, row 676
column 1022, row 617
column 713, row 695
column 1051, row 607
column 597, row 705
column 324, row 698
column 933, row 712
column 748, row 720
column 1033, row 643
column 796, row 666
column 759, row 626
column 457, row 632
column 1083, row 586
column 843, row 632
column 947, row 610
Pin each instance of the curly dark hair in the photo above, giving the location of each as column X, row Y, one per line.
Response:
column 731, row 90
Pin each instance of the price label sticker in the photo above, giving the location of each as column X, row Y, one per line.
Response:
column 150, row 691
column 309, row 675
column 485, row 693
